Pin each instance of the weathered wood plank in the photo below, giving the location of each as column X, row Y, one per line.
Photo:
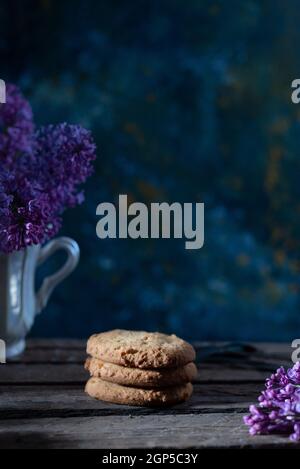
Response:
column 46, row 383
column 151, row 431
column 45, row 355
column 273, row 348
column 43, row 362
column 58, row 401
column 262, row 348
column 55, row 344
column 74, row 373
column 42, row 373
column 262, row 357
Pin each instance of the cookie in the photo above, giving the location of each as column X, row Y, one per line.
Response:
column 140, row 378
column 117, row 394
column 139, row 349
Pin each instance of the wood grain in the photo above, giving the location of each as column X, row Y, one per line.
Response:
column 219, row 430
column 56, row 401
column 75, row 373
column 41, row 392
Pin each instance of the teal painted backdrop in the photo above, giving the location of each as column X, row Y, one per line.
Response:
column 188, row 101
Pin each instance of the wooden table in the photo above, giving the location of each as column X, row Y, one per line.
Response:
column 42, row 403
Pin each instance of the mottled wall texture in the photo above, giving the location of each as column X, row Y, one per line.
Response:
column 188, row 101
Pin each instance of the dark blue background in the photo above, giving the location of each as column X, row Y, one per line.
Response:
column 188, row 101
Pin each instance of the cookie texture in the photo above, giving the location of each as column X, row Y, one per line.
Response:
column 139, row 349
column 137, row 377
column 117, row 394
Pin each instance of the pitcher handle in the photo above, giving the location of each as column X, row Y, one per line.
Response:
column 51, row 282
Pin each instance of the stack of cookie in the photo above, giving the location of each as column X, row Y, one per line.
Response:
column 140, row 368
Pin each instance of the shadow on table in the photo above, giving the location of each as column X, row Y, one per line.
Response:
column 34, row 440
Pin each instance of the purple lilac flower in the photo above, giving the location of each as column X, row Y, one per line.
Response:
column 16, row 126
column 26, row 215
column 40, row 173
column 294, row 374
column 278, row 410
column 295, row 436
column 64, row 161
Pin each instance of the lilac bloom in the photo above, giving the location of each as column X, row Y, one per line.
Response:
column 278, row 409
column 16, row 127
column 41, row 173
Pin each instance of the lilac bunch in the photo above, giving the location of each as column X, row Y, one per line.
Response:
column 16, row 127
column 64, row 161
column 26, row 216
column 40, row 173
column 278, row 410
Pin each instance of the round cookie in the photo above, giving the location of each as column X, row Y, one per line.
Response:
column 139, row 349
column 117, row 394
column 137, row 377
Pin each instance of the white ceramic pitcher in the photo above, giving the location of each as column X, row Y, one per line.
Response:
column 19, row 303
